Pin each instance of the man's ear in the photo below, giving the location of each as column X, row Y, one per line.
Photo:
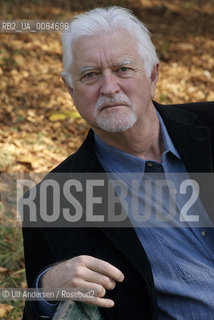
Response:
column 155, row 73
column 69, row 88
column 154, row 78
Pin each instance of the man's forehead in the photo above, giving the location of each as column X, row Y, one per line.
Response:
column 119, row 34
column 101, row 52
column 114, row 42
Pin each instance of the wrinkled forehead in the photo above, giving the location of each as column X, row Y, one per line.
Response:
column 104, row 50
column 117, row 44
column 122, row 36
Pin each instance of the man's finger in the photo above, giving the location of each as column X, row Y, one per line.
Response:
column 95, row 277
column 99, row 302
column 104, row 268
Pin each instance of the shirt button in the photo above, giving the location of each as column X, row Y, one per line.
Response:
column 203, row 233
column 149, row 164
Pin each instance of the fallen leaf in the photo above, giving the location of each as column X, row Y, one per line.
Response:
column 57, row 115
column 3, row 270
column 4, row 308
column 24, row 159
column 24, row 284
column 185, row 46
column 62, row 115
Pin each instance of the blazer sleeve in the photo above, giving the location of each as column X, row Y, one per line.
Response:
column 39, row 254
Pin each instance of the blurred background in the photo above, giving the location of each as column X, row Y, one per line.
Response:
column 39, row 124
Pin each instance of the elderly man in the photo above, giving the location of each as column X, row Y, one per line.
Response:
column 111, row 70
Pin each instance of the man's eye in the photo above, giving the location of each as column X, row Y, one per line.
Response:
column 123, row 69
column 90, row 75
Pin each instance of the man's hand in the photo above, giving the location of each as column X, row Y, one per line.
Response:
column 85, row 272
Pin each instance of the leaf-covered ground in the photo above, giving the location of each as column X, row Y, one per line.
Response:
column 39, row 125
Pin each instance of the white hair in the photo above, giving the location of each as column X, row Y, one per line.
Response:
column 107, row 20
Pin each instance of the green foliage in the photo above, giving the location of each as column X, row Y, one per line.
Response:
column 11, row 248
column 11, row 258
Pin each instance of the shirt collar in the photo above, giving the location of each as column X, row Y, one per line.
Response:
column 167, row 142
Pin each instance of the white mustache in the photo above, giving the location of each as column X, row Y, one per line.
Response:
column 119, row 98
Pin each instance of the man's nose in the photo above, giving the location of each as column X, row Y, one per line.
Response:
column 110, row 85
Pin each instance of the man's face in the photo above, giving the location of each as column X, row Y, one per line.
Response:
column 110, row 88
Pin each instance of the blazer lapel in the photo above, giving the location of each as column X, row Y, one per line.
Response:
column 127, row 242
column 194, row 146
column 192, row 142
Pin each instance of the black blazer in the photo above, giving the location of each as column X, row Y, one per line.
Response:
column 191, row 128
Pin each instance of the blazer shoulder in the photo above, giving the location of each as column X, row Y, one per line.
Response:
column 203, row 110
column 65, row 165
column 83, row 160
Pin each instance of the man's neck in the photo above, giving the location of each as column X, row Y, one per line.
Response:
column 143, row 140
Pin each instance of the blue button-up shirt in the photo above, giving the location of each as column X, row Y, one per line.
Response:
column 182, row 258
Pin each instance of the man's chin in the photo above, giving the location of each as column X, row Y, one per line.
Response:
column 116, row 125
